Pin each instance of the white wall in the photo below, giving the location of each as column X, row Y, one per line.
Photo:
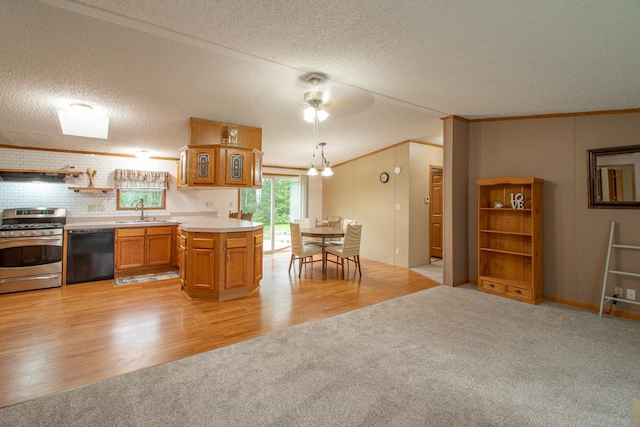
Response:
column 20, row 195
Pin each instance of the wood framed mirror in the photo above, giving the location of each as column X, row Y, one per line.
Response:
column 614, row 177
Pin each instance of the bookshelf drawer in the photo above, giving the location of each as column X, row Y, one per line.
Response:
column 518, row 292
column 491, row 286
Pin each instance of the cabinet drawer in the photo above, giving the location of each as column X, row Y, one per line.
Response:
column 129, row 232
column 491, row 286
column 518, row 292
column 257, row 239
column 203, row 243
column 157, row 231
column 237, row 242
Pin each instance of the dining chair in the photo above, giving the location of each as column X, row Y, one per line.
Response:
column 246, row 215
column 234, row 215
column 303, row 252
column 305, row 223
column 349, row 251
column 340, row 241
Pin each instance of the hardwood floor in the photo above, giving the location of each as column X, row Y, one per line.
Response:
column 57, row 339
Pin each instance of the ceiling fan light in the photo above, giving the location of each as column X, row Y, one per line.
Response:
column 322, row 115
column 310, row 114
column 312, row 171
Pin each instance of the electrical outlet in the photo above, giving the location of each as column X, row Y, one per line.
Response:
column 100, row 207
column 631, row 294
column 619, row 291
column 397, row 251
column 91, row 208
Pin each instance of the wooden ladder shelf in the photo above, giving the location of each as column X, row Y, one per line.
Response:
column 608, row 271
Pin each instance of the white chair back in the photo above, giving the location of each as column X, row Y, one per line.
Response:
column 304, row 222
column 351, row 246
column 346, row 222
column 296, row 239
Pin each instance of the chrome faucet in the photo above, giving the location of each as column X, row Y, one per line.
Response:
column 140, row 204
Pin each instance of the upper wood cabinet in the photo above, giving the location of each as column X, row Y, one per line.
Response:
column 220, row 155
column 207, row 132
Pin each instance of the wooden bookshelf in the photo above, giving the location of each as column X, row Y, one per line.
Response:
column 510, row 239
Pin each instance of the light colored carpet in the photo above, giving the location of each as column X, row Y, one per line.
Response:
column 440, row 357
column 143, row 278
column 433, row 271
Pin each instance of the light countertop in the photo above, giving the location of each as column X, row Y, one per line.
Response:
column 206, row 224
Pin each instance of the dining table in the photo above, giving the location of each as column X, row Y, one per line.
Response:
column 323, row 233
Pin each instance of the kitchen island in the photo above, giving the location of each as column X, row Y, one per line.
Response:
column 219, row 258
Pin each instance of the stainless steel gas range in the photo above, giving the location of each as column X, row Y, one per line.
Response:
column 31, row 242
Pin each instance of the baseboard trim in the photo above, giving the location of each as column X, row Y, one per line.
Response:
column 592, row 307
column 464, row 282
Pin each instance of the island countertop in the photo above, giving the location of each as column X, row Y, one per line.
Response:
column 205, row 224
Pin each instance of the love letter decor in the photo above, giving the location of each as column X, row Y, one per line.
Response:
column 517, row 200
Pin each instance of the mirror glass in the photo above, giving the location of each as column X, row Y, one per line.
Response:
column 614, row 177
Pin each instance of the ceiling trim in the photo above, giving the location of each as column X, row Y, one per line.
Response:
column 93, row 153
column 555, row 115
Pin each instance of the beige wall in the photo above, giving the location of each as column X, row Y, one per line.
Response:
column 455, row 210
column 555, row 149
column 393, row 214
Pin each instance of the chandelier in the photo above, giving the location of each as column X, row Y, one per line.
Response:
column 315, row 101
column 325, row 169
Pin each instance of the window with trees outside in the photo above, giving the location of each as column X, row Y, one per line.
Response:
column 136, row 185
column 153, row 199
column 275, row 205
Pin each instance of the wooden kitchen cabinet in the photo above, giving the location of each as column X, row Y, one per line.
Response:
column 510, row 239
column 202, row 162
column 129, row 249
column 201, row 264
column 222, row 265
column 181, row 255
column 237, row 167
column 209, row 132
column 257, row 256
column 236, row 260
column 219, row 166
column 143, row 249
column 220, row 155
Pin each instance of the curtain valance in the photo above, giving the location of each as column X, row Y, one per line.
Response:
column 130, row 178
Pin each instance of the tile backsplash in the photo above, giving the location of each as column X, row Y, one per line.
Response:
column 97, row 203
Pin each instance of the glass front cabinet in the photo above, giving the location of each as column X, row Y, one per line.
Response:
column 219, row 166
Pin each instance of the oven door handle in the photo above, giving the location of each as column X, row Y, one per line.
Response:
column 29, row 241
column 18, row 279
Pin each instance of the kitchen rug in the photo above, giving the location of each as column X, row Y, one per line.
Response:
column 134, row 280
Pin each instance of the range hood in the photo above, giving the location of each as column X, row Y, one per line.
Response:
column 31, row 175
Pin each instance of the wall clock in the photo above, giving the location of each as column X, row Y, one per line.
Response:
column 384, row 177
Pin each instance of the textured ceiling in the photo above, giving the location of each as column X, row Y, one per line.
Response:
column 394, row 67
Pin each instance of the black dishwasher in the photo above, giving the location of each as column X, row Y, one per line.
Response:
column 90, row 255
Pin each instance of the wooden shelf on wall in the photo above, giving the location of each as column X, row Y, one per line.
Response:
column 103, row 189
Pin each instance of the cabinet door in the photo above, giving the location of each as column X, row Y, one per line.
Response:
column 182, row 258
column 238, row 167
column 236, row 268
column 257, row 257
column 257, row 170
column 201, row 264
column 158, row 250
column 129, row 252
column 201, row 165
column 182, row 169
